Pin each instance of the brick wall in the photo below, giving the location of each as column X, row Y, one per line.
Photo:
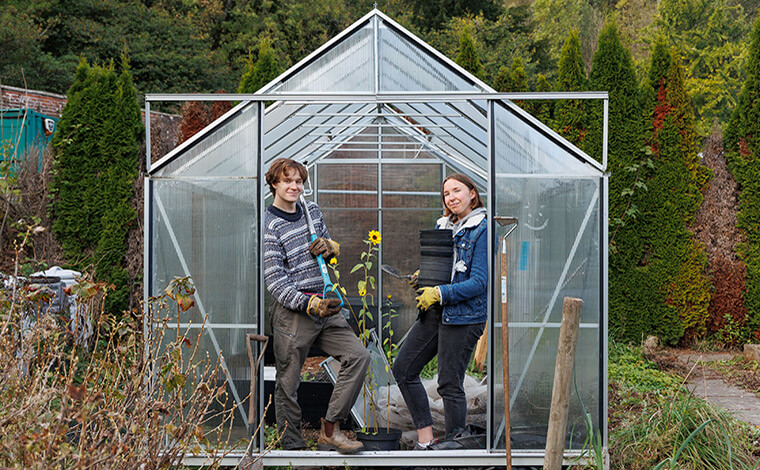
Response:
column 165, row 126
column 50, row 104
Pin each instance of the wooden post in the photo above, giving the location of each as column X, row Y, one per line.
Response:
column 563, row 379
column 505, row 350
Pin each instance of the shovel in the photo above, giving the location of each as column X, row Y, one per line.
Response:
column 250, row 462
column 329, row 286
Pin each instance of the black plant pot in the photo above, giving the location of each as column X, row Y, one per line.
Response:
column 382, row 439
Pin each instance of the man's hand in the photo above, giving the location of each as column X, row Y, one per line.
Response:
column 322, row 307
column 413, row 280
column 325, row 247
column 427, row 297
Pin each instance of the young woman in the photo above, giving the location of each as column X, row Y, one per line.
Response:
column 452, row 316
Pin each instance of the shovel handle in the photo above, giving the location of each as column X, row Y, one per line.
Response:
column 329, row 287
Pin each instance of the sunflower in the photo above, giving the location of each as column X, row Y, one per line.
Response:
column 374, row 237
column 362, row 292
column 333, row 261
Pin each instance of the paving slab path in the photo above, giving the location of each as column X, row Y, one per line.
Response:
column 708, row 384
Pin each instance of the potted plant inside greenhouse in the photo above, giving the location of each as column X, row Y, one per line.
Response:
column 375, row 432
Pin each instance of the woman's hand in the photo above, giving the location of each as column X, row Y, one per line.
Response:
column 428, row 296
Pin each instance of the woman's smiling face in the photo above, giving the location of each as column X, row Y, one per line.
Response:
column 458, row 197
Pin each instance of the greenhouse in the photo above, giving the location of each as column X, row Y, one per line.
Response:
column 380, row 119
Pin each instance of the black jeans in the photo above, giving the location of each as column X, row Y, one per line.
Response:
column 453, row 344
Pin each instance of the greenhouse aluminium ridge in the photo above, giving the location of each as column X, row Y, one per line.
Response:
column 409, row 97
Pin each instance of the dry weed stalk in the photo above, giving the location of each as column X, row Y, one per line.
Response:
column 123, row 401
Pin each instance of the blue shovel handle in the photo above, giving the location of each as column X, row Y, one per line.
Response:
column 329, row 286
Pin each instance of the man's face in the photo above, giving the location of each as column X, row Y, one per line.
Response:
column 289, row 187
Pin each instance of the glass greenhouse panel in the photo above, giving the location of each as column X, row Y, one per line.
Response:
column 553, row 253
column 234, row 374
column 401, row 249
column 207, row 229
column 523, row 149
column 229, row 149
column 405, row 66
column 355, row 53
column 308, row 132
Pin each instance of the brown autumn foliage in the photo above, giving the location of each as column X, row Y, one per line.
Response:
column 715, row 227
column 110, row 398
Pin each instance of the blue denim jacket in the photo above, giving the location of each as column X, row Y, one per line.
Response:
column 465, row 299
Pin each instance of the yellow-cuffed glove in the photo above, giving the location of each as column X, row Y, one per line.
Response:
column 413, row 280
column 322, row 307
column 428, row 296
column 325, row 247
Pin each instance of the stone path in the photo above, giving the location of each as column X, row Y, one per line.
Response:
column 707, row 384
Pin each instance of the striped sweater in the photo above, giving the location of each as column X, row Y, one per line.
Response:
column 289, row 269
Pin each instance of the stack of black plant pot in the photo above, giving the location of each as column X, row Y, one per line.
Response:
column 436, row 257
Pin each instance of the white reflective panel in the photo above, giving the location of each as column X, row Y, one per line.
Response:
column 554, row 253
column 228, row 149
column 347, row 67
column 207, row 229
column 522, row 149
column 405, row 66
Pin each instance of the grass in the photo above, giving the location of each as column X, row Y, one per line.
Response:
column 656, row 423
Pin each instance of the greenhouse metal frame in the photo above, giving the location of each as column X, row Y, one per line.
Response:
column 380, row 118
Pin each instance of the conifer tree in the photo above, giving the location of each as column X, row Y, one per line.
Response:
column 97, row 150
column 675, row 261
column 612, row 70
column 503, row 81
column 542, row 110
column 519, row 78
column 571, row 117
column 742, row 149
column 467, row 57
column 263, row 71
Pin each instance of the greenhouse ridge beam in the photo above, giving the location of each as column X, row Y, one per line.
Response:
column 411, row 97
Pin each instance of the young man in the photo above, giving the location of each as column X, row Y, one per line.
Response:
column 300, row 316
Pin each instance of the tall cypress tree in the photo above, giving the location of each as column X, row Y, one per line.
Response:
column 571, row 117
column 542, row 110
column 675, row 261
column 503, row 81
column 742, row 144
column 259, row 73
column 467, row 57
column 612, row 70
column 97, row 150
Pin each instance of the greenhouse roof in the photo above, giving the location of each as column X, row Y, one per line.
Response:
column 377, row 86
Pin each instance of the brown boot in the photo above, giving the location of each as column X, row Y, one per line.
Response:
column 338, row 441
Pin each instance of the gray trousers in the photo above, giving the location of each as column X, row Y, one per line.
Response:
column 294, row 333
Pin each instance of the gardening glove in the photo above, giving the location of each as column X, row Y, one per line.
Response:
column 413, row 280
column 428, row 296
column 322, row 307
column 325, row 247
